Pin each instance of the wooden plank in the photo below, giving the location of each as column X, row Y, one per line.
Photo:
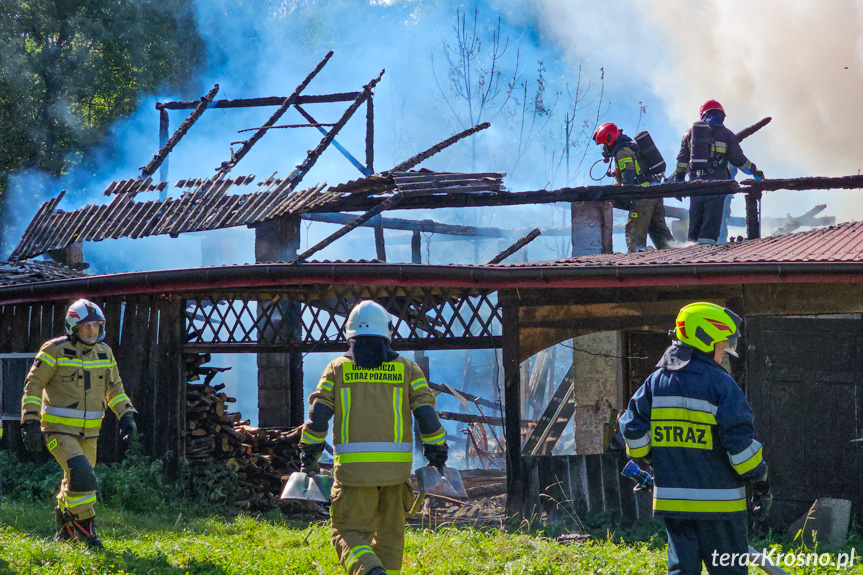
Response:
column 593, row 472
column 577, row 481
column 611, row 484
column 20, row 329
column 7, row 314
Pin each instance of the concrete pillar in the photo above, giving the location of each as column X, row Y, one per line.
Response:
column 280, row 375
column 592, row 226
column 598, row 381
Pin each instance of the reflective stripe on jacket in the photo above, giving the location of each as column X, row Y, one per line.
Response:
column 69, row 387
column 372, row 425
column 695, row 422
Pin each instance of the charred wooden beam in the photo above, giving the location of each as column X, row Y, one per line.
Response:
column 422, row 156
column 753, row 214
column 453, row 199
column 281, row 127
column 287, row 103
column 164, row 127
column 416, row 248
column 807, row 219
column 260, row 102
column 467, row 418
column 160, row 156
column 297, row 175
column 354, row 162
column 384, row 205
column 746, row 132
column 370, row 135
column 535, row 233
column 813, row 183
column 472, row 398
column 426, row 226
column 380, row 245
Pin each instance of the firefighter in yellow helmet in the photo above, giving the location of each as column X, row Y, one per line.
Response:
column 372, row 392
column 695, row 425
column 72, row 380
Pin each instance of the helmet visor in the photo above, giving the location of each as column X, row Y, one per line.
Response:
column 732, row 346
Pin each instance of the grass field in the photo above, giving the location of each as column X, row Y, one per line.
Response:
column 149, row 527
column 179, row 541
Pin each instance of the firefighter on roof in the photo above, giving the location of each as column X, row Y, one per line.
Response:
column 646, row 216
column 706, row 151
column 372, row 392
column 72, row 380
column 695, row 425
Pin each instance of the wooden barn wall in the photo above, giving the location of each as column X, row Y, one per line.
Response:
column 145, row 333
column 586, row 483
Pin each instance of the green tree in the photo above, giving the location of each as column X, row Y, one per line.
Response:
column 70, row 68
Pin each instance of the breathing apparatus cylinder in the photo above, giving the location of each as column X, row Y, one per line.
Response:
column 650, row 154
column 699, row 147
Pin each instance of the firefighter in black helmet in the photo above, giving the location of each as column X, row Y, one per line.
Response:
column 707, row 149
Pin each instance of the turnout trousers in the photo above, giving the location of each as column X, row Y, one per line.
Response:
column 76, row 456
column 705, row 218
column 369, row 526
column 691, row 541
column 647, row 217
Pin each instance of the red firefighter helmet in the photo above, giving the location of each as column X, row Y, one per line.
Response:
column 607, row 134
column 711, row 105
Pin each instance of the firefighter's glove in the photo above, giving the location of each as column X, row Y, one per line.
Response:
column 32, row 436
column 762, row 500
column 436, row 454
column 128, row 429
column 677, row 178
column 309, row 455
column 757, row 174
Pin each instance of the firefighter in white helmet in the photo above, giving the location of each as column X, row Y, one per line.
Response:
column 72, row 380
column 372, row 392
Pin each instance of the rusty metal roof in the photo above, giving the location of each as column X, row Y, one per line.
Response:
column 840, row 243
column 17, row 273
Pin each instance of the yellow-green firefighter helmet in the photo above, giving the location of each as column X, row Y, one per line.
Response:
column 703, row 324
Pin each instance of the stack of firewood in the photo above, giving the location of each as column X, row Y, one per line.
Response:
column 219, row 444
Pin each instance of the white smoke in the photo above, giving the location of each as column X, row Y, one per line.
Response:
column 799, row 62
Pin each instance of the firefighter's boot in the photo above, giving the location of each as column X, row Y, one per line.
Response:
column 85, row 530
column 65, row 531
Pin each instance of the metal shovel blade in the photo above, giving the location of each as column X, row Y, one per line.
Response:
column 302, row 487
column 446, row 482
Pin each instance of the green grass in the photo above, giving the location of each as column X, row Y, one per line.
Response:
column 182, row 540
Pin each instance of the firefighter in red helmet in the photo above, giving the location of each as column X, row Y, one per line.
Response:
column 646, row 216
column 707, row 150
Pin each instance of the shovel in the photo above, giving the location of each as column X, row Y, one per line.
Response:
column 446, row 482
column 304, row 487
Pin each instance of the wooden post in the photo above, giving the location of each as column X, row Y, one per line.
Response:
column 380, row 246
column 416, row 247
column 512, row 406
column 753, row 223
column 280, row 375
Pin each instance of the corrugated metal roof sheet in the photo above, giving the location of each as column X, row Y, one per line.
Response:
column 841, row 243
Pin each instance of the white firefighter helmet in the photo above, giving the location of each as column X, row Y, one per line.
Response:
column 84, row 311
column 369, row 318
